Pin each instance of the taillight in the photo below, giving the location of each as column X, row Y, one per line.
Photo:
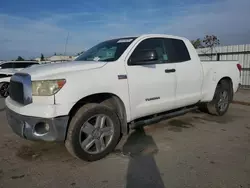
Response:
column 239, row 67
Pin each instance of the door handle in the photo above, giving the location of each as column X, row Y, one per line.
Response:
column 169, row 70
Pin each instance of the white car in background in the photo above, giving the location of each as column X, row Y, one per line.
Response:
column 7, row 69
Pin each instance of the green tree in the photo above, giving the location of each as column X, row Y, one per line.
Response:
column 211, row 41
column 42, row 57
column 19, row 58
column 197, row 43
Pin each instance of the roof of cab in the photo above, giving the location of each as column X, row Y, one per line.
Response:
column 161, row 35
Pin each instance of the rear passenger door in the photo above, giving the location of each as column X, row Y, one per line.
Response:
column 188, row 73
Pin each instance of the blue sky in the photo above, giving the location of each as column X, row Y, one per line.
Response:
column 31, row 27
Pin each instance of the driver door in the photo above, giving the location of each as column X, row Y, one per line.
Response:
column 152, row 84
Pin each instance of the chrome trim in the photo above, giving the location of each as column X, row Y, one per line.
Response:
column 25, row 79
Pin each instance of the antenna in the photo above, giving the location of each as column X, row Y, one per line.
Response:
column 66, row 43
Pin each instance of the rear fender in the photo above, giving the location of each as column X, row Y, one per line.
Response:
column 209, row 85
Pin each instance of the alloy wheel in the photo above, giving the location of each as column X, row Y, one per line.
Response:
column 96, row 134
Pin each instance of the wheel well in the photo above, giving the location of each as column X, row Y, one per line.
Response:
column 230, row 82
column 108, row 99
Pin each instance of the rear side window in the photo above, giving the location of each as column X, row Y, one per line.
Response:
column 176, row 50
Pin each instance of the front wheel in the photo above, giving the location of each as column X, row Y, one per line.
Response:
column 222, row 98
column 4, row 90
column 93, row 132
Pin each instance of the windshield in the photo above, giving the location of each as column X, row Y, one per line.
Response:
column 109, row 50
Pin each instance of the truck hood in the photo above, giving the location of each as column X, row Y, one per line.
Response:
column 46, row 70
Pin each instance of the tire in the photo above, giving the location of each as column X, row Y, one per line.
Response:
column 82, row 122
column 4, row 90
column 223, row 89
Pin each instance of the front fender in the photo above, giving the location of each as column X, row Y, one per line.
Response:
column 92, row 82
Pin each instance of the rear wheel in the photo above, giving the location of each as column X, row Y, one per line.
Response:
column 93, row 132
column 4, row 90
column 222, row 98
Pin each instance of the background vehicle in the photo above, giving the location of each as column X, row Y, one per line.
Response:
column 116, row 86
column 7, row 69
column 16, row 65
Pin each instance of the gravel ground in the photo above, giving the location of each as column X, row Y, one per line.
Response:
column 243, row 97
column 195, row 150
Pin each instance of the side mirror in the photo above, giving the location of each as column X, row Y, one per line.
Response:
column 143, row 57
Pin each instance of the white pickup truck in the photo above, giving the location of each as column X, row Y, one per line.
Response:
column 117, row 85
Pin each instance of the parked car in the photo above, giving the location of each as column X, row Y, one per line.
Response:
column 117, row 85
column 7, row 69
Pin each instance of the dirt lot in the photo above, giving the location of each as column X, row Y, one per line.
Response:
column 195, row 150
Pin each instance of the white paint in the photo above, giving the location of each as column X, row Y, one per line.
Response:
column 193, row 81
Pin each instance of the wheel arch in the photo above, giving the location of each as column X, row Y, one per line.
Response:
column 230, row 82
column 209, row 90
column 109, row 99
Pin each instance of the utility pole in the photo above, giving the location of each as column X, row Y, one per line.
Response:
column 66, row 43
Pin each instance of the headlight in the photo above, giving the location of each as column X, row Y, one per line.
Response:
column 47, row 87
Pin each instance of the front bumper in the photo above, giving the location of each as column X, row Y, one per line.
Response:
column 24, row 126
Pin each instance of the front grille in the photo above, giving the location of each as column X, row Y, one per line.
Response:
column 20, row 88
column 16, row 91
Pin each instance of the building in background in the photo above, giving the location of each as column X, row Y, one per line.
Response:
column 240, row 53
column 56, row 59
column 59, row 58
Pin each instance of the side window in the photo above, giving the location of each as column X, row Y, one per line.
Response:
column 7, row 66
column 152, row 44
column 22, row 65
column 16, row 65
column 170, row 50
column 181, row 49
column 29, row 64
column 176, row 50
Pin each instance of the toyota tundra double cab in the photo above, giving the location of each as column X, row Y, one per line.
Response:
column 115, row 86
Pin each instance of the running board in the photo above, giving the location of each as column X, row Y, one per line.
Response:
column 158, row 118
